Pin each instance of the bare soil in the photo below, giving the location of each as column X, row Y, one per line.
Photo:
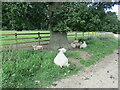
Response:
column 104, row 74
column 85, row 55
column 75, row 61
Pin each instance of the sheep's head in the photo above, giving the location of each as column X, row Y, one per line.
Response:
column 62, row 49
column 84, row 42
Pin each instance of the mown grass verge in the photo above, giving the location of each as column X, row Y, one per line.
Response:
column 100, row 47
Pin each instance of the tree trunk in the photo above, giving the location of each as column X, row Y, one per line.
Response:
column 58, row 40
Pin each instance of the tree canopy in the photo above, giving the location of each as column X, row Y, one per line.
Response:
column 65, row 16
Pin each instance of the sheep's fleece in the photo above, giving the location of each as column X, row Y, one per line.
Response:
column 84, row 45
column 37, row 47
column 61, row 59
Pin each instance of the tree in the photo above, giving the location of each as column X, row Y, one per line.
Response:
column 118, row 27
column 110, row 23
column 60, row 17
column 23, row 15
column 76, row 17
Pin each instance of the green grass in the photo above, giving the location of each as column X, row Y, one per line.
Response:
column 34, row 36
column 22, row 68
column 73, row 54
column 100, row 48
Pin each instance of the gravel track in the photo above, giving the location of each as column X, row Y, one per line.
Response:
column 104, row 74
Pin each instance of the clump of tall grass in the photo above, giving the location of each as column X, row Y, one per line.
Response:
column 9, row 53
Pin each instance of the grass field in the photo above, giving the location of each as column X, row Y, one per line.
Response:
column 34, row 69
column 79, row 35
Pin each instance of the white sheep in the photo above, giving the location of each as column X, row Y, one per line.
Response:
column 84, row 45
column 37, row 47
column 61, row 59
column 80, row 43
column 73, row 45
column 76, row 43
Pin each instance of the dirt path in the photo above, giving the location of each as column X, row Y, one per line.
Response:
column 103, row 74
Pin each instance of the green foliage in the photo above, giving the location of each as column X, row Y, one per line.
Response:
column 110, row 22
column 22, row 15
column 63, row 16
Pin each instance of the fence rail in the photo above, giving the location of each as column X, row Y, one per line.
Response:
column 42, row 37
column 23, row 34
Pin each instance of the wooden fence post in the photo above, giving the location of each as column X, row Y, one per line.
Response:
column 88, row 34
column 16, row 39
column 92, row 34
column 83, row 34
column 75, row 35
column 39, row 37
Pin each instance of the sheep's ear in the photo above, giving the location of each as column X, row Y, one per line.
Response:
column 64, row 50
column 59, row 49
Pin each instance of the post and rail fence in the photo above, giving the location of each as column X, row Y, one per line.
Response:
column 42, row 38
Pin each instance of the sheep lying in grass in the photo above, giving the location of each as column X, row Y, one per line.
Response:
column 61, row 59
column 37, row 47
column 73, row 45
column 84, row 45
column 76, row 44
column 76, row 41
